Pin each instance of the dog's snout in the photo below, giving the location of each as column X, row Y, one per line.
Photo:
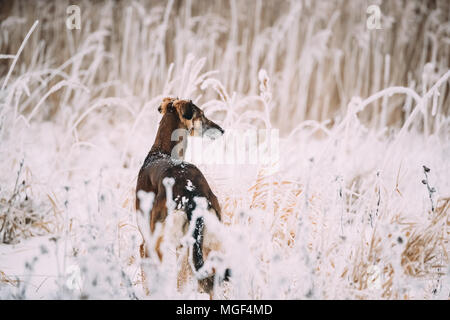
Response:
column 213, row 130
column 217, row 127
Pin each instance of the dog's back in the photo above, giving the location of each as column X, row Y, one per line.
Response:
column 189, row 185
column 189, row 182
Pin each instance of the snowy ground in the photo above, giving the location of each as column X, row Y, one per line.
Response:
column 347, row 211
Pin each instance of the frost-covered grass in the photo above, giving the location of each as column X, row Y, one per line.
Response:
column 358, row 208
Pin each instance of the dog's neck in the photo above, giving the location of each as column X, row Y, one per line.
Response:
column 163, row 142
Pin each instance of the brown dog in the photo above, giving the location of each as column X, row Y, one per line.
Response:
column 163, row 161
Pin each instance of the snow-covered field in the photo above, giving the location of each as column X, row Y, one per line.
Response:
column 356, row 207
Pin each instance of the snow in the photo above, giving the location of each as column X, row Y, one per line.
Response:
column 190, row 186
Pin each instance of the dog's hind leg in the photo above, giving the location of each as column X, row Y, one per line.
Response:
column 144, row 255
column 157, row 214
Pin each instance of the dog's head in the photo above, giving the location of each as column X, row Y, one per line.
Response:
column 191, row 117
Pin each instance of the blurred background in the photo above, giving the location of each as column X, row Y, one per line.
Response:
column 318, row 54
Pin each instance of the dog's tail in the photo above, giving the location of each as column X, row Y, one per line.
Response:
column 197, row 250
column 206, row 278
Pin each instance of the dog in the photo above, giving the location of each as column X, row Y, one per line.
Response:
column 181, row 118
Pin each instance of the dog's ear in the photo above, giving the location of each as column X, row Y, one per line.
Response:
column 165, row 105
column 186, row 110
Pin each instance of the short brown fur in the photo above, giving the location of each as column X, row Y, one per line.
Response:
column 159, row 164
